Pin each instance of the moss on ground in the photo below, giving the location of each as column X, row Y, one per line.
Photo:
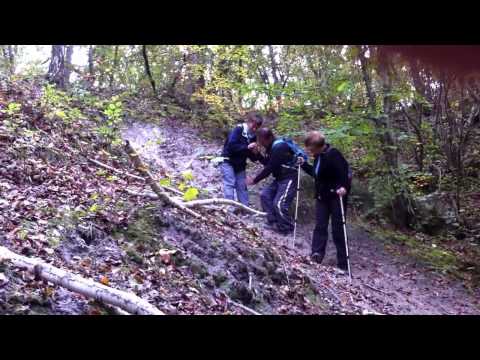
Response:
column 432, row 255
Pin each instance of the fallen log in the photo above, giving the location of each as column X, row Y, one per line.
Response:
column 157, row 189
column 126, row 301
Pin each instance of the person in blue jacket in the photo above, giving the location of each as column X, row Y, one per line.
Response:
column 239, row 145
column 277, row 197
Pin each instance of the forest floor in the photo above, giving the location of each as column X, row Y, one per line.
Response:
column 390, row 283
column 57, row 205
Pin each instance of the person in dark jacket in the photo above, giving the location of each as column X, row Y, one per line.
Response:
column 277, row 197
column 239, row 145
column 331, row 173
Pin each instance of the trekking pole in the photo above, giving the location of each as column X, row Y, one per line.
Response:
column 346, row 238
column 296, row 209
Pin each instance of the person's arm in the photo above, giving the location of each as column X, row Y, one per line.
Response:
column 277, row 158
column 340, row 166
column 255, row 156
column 234, row 144
column 308, row 168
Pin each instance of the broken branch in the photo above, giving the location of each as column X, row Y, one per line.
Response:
column 157, row 189
column 374, row 288
column 96, row 162
column 105, row 166
column 216, row 201
column 241, row 306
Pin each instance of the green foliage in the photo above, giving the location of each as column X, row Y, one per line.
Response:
column 187, row 175
column 114, row 110
column 182, row 186
column 190, row 194
column 12, row 109
column 109, row 128
column 387, row 186
column 58, row 104
column 165, row 182
column 11, row 122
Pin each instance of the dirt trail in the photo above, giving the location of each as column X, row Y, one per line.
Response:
column 383, row 282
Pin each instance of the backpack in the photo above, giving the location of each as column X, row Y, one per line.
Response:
column 294, row 148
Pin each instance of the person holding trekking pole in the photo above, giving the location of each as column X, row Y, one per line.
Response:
column 332, row 185
column 281, row 162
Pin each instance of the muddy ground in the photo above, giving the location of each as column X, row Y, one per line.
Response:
column 389, row 283
column 58, row 206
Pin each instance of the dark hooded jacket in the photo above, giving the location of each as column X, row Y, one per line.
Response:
column 331, row 174
column 276, row 163
column 235, row 148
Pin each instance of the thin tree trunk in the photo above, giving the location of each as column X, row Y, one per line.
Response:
column 11, row 59
column 114, row 68
column 68, row 65
column 366, row 78
column 147, row 68
column 91, row 54
column 56, row 68
column 276, row 79
column 390, row 151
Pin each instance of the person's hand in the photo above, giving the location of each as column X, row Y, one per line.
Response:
column 300, row 161
column 253, row 147
column 249, row 181
column 341, row 192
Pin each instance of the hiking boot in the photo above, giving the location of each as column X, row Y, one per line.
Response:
column 317, row 257
column 341, row 270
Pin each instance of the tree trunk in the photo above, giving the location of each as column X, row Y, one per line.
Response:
column 68, row 65
column 56, row 69
column 275, row 74
column 90, row 78
column 366, row 78
column 389, row 143
column 91, row 55
column 114, row 68
column 11, row 59
column 147, row 68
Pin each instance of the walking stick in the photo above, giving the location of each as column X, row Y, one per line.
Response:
column 346, row 238
column 296, row 208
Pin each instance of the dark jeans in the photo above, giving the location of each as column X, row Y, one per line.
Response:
column 327, row 208
column 276, row 200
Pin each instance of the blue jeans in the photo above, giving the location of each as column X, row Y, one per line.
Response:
column 234, row 182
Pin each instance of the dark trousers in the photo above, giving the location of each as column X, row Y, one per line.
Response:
column 276, row 199
column 326, row 209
